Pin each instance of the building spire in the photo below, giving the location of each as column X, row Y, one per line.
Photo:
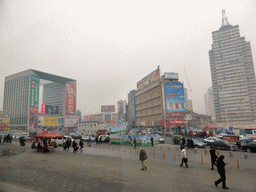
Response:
column 224, row 19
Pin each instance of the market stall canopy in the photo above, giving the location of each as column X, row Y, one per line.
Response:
column 42, row 135
column 54, row 135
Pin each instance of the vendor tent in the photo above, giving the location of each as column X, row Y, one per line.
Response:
column 42, row 135
column 54, row 135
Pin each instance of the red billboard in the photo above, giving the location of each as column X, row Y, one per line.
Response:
column 70, row 99
column 150, row 78
column 107, row 108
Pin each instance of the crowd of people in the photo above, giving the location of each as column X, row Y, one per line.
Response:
column 6, row 139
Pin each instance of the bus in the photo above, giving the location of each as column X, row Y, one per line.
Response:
column 250, row 132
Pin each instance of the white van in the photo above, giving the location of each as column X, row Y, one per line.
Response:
column 60, row 141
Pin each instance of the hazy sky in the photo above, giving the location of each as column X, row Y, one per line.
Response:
column 107, row 46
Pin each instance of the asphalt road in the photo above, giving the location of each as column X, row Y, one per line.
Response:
column 104, row 168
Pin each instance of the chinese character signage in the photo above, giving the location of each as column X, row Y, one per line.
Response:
column 70, row 99
column 33, row 107
column 149, row 79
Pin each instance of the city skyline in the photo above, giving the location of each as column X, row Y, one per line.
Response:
column 107, row 65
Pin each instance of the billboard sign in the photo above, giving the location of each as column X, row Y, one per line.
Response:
column 171, row 76
column 175, row 100
column 50, row 109
column 33, row 105
column 107, row 108
column 70, row 121
column 70, row 99
column 51, row 121
column 150, row 78
column 116, row 128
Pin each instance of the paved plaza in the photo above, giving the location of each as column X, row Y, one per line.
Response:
column 104, row 168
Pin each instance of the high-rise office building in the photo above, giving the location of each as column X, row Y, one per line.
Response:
column 233, row 76
column 21, row 98
column 209, row 103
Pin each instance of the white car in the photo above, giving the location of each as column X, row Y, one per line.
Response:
column 210, row 140
column 60, row 141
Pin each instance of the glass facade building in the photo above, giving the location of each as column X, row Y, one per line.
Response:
column 233, row 76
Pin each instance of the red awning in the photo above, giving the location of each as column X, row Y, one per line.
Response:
column 54, row 135
column 42, row 135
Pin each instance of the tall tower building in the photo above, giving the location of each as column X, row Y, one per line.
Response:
column 233, row 77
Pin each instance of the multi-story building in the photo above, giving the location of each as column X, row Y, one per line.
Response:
column 209, row 103
column 233, row 76
column 21, row 98
column 189, row 105
column 131, row 118
column 159, row 100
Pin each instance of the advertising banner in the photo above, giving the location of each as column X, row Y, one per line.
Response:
column 60, row 121
column 50, row 109
column 149, row 79
column 171, row 75
column 116, row 128
column 51, row 121
column 175, row 100
column 107, row 108
column 33, row 105
column 70, row 121
column 70, row 99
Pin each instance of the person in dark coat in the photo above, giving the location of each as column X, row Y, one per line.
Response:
column 221, row 170
column 100, row 140
column 134, row 142
column 152, row 141
column 143, row 157
column 81, row 144
column 97, row 140
column 183, row 141
column 75, row 148
column 189, row 142
column 213, row 157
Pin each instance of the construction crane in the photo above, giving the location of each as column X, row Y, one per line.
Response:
column 189, row 88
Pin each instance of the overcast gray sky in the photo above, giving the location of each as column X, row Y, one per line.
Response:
column 107, row 46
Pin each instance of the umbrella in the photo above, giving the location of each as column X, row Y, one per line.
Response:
column 54, row 135
column 42, row 135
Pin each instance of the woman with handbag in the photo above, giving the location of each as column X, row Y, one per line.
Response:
column 143, row 157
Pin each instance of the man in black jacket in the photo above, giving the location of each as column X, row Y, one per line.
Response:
column 221, row 171
column 213, row 156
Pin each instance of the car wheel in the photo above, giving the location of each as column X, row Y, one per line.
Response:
column 248, row 150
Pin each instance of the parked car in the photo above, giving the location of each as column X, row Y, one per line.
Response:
column 222, row 144
column 60, row 141
column 221, row 135
column 198, row 144
column 210, row 140
column 161, row 140
column 104, row 138
column 249, row 147
column 88, row 139
column 168, row 134
column 243, row 140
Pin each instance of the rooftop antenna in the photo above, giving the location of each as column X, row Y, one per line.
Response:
column 224, row 19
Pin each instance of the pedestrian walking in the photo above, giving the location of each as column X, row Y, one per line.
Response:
column 75, row 148
column 221, row 170
column 143, row 157
column 183, row 141
column 189, row 143
column 100, row 139
column 183, row 156
column 97, row 139
column 152, row 141
column 213, row 157
column 134, row 142
column 81, row 144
